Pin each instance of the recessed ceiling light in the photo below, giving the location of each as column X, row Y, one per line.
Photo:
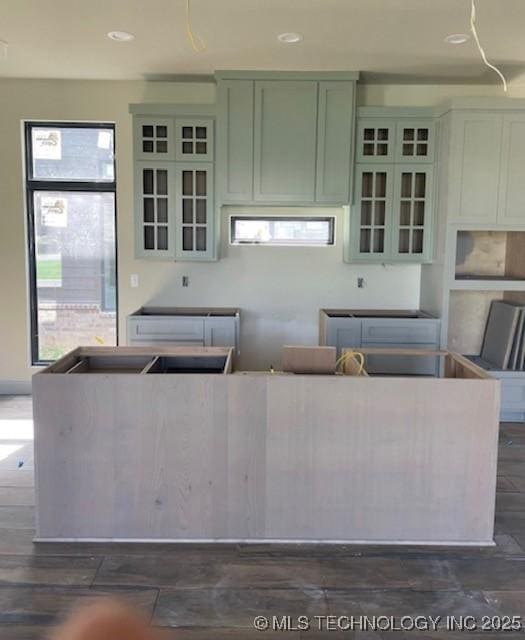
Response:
column 290, row 37
column 121, row 36
column 457, row 38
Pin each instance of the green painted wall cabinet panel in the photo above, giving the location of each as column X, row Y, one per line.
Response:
column 235, row 140
column 285, row 141
column 511, row 202
column 487, row 157
column 475, row 165
column 334, row 141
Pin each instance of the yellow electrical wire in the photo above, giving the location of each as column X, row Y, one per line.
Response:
column 196, row 41
column 352, row 355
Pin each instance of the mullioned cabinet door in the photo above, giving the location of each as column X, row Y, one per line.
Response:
column 194, row 212
column 154, row 209
column 194, row 140
column 412, row 213
column 154, row 139
column 415, row 141
column 375, row 140
column 371, row 223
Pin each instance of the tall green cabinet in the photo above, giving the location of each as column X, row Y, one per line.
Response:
column 174, row 151
column 391, row 213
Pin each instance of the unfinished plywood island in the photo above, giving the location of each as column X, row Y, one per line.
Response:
column 169, row 444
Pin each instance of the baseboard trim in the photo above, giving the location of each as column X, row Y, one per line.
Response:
column 281, row 541
column 15, row 387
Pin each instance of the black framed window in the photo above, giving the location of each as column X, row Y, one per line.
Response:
column 71, row 209
column 293, row 231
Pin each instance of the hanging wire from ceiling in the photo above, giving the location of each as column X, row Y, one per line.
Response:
column 481, row 51
column 196, row 41
column 4, row 46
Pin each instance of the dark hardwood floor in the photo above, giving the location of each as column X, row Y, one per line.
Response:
column 214, row 591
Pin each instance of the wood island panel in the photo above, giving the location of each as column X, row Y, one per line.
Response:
column 259, row 456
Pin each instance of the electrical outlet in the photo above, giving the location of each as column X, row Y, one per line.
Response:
column 360, row 283
column 134, row 280
column 185, row 281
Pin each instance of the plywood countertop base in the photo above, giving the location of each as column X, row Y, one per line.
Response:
column 181, row 457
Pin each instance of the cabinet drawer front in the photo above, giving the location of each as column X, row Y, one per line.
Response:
column 513, row 394
column 402, row 365
column 406, row 332
column 175, row 329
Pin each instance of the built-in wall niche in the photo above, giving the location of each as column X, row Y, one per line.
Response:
column 468, row 314
column 490, row 255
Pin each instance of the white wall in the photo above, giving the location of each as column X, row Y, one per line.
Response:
column 280, row 290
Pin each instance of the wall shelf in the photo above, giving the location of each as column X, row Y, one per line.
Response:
column 487, row 284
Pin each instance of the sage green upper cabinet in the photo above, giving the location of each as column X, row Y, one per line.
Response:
column 475, row 167
column 285, row 137
column 375, row 140
column 154, row 139
column 511, row 205
column 235, row 140
column 174, row 182
column 285, row 141
column 391, row 214
column 334, row 141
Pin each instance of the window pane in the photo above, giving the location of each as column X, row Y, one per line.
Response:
column 72, row 153
column 75, row 270
column 283, row 231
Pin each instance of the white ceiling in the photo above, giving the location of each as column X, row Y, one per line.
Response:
column 388, row 40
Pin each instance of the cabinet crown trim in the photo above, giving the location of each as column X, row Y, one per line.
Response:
column 181, row 109
column 395, row 112
column 286, row 75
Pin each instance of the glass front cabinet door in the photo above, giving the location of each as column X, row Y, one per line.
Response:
column 154, row 139
column 372, row 213
column 415, row 141
column 194, row 211
column 154, row 193
column 375, row 140
column 411, row 236
column 193, row 140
